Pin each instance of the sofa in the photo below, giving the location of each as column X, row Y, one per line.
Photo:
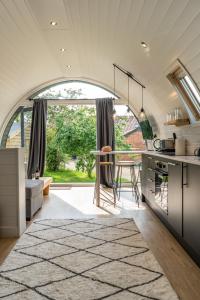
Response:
column 34, row 196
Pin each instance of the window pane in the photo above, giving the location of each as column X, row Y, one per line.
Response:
column 193, row 88
column 27, row 132
column 128, row 134
column 74, row 90
column 19, row 134
column 14, row 136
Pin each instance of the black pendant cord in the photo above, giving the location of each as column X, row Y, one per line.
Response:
column 114, row 80
column 142, row 109
column 128, row 91
column 114, row 92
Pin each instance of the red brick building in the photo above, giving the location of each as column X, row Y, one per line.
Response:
column 133, row 134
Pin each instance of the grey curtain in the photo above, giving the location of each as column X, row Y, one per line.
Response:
column 105, row 135
column 37, row 146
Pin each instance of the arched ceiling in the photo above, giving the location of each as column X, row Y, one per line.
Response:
column 95, row 34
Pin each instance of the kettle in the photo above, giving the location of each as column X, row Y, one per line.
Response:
column 197, row 152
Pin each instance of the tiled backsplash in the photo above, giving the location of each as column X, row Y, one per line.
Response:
column 190, row 133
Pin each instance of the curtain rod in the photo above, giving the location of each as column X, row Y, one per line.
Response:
column 71, row 99
column 129, row 74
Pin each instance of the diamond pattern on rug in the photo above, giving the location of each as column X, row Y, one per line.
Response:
column 125, row 295
column 27, row 241
column 38, row 274
column 129, row 226
column 144, row 259
column 51, row 234
column 110, row 221
column 137, row 241
column 79, row 241
column 126, row 275
column 8, row 287
column 17, row 260
column 26, row 295
column 109, row 235
column 55, row 223
column 47, row 250
column 36, row 227
column 115, row 251
column 82, row 227
column 82, row 260
column 78, row 288
column 155, row 288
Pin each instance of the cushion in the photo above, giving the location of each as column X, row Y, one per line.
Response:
column 33, row 187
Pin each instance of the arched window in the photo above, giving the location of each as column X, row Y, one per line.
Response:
column 76, row 90
column 17, row 132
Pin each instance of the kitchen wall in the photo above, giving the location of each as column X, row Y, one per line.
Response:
column 190, row 132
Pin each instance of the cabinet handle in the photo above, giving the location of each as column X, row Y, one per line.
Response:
column 185, row 175
column 150, row 169
column 149, row 179
column 172, row 164
column 152, row 191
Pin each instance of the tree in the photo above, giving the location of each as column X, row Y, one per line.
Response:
column 72, row 130
column 54, row 153
column 76, row 134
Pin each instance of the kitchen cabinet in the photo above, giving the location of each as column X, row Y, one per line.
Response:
column 191, row 206
column 148, row 180
column 182, row 216
column 144, row 177
column 175, row 206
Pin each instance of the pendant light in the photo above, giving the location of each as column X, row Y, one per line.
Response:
column 142, row 115
column 128, row 107
column 114, row 111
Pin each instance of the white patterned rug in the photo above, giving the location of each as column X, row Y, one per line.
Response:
column 86, row 259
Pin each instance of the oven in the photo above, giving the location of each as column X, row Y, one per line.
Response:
column 161, row 185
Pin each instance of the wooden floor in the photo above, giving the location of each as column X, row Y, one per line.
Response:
column 181, row 271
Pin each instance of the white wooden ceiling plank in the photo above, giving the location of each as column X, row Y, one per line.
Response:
column 182, row 23
column 73, row 11
column 191, row 50
column 161, row 35
column 186, row 39
column 144, row 18
column 50, row 10
column 159, row 14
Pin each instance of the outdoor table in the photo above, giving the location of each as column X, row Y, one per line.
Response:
column 99, row 153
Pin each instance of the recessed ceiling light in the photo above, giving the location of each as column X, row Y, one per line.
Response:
column 53, row 23
column 69, row 66
column 144, row 45
column 62, row 49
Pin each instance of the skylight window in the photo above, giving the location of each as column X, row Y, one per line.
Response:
column 188, row 91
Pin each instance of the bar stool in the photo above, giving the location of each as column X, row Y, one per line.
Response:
column 108, row 166
column 134, row 179
column 138, row 180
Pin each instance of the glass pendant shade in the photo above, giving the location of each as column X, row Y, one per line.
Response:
column 142, row 115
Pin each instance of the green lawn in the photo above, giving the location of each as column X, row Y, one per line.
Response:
column 65, row 176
